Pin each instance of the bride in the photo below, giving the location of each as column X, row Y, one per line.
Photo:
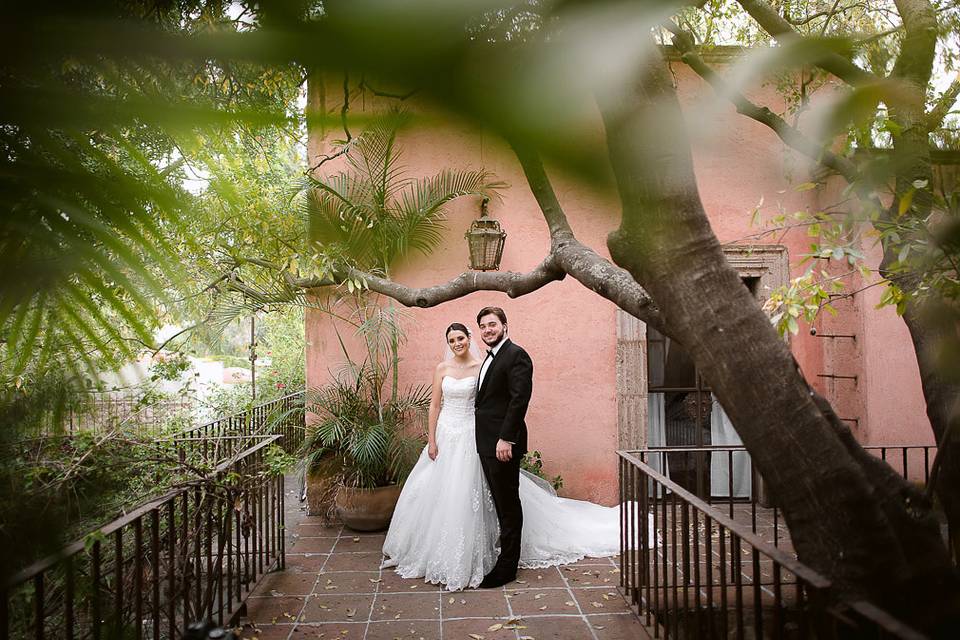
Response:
column 445, row 527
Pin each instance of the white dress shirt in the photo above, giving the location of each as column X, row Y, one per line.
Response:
column 486, row 365
column 488, row 361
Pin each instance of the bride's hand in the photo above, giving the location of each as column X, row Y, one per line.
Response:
column 432, row 450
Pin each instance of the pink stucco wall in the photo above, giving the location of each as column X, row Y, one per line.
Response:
column 570, row 332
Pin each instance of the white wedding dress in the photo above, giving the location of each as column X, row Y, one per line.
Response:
column 445, row 527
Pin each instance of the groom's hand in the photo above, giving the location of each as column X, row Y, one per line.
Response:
column 504, row 451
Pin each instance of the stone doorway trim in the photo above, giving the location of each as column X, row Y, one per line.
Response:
column 768, row 263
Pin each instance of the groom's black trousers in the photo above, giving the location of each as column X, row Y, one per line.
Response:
column 503, row 478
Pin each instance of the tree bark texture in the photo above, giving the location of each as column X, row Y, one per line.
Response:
column 850, row 518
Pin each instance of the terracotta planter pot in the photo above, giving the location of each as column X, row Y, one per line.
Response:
column 367, row 509
column 322, row 485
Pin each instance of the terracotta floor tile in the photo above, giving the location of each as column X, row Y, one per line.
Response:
column 538, row 578
column 603, row 562
column 610, row 601
column 475, row 603
column 622, row 627
column 404, row 629
column 407, row 606
column 556, row 628
column 317, row 529
column 306, row 562
column 264, row 632
column 355, row 544
column 312, row 545
column 461, row 629
column 352, row 599
column 591, row 576
column 533, row 602
column 286, row 583
column 354, row 562
column 390, row 582
column 330, row 631
column 348, row 582
column 337, row 608
column 269, row 609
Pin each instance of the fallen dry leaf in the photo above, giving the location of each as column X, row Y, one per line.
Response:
column 351, row 613
column 543, row 608
column 356, row 539
column 462, row 601
column 375, row 580
column 475, row 636
column 451, row 600
column 570, row 603
column 520, row 581
column 495, row 627
column 597, row 605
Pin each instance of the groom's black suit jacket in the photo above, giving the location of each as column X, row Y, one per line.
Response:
column 502, row 401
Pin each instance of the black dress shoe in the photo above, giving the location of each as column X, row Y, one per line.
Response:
column 492, row 581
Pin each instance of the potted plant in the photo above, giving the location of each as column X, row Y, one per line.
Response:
column 368, row 217
column 361, row 440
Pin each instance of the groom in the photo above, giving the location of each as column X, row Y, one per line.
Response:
column 503, row 393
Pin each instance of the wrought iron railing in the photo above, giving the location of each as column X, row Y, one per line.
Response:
column 694, row 571
column 105, row 411
column 283, row 417
column 193, row 553
column 696, row 469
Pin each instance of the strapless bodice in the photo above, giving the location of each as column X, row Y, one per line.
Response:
column 458, row 393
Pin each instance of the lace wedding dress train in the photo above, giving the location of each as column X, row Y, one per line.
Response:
column 445, row 527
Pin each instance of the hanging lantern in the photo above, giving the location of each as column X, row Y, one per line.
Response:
column 485, row 239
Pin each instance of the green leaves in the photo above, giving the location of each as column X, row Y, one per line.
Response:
column 374, row 214
column 357, row 420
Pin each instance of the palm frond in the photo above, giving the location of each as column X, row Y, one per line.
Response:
column 421, row 215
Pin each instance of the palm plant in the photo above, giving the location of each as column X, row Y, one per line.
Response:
column 374, row 214
column 360, row 424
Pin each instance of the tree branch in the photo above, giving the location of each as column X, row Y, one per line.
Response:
column 942, row 108
column 771, row 22
column 509, row 282
column 791, row 136
column 580, row 261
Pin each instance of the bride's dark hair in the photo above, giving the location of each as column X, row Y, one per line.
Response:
column 456, row 326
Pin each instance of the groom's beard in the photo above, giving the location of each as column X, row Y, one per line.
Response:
column 497, row 340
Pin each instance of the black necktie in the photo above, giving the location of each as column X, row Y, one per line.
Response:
column 490, row 352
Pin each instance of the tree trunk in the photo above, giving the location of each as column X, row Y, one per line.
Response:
column 850, row 519
column 930, row 322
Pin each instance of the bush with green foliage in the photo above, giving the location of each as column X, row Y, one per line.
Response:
column 357, row 420
column 533, row 463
